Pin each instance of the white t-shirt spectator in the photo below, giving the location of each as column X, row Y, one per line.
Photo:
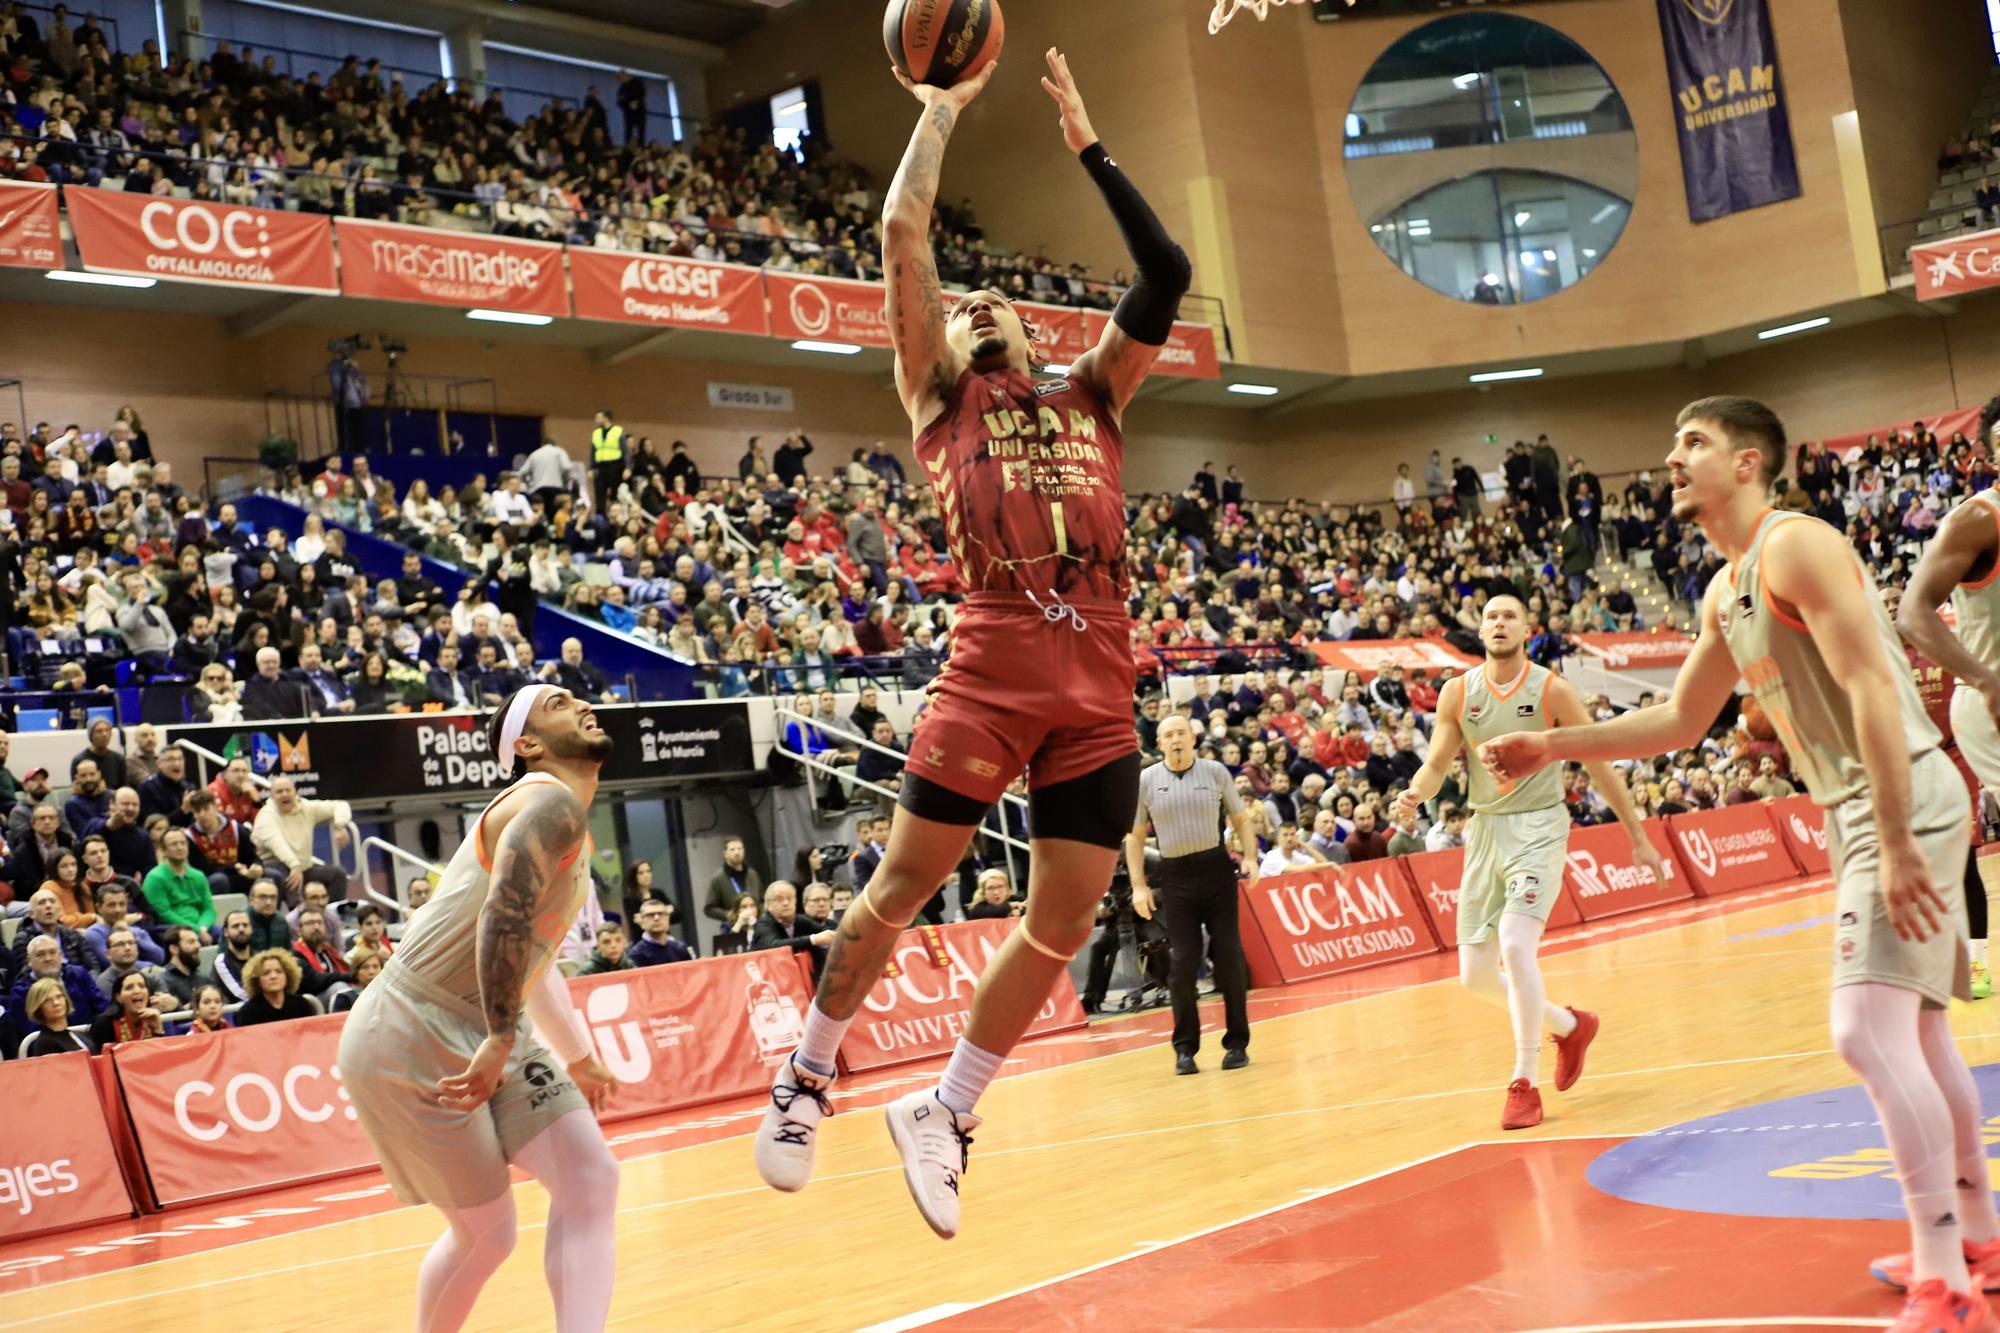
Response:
column 1276, row 862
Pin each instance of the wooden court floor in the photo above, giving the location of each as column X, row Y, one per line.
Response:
column 1095, row 1156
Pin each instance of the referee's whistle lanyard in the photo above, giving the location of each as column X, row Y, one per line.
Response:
column 1056, row 610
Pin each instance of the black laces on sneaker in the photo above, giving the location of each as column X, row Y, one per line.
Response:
column 796, row 1132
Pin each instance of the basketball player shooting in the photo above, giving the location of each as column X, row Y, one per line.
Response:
column 1027, row 474
column 1796, row 614
column 443, row 1071
column 1516, row 846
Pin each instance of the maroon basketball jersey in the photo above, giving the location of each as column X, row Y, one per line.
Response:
column 1027, row 476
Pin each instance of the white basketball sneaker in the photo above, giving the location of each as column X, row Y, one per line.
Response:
column 791, row 1126
column 934, row 1142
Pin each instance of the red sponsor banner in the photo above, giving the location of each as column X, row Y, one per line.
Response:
column 394, row 262
column 188, row 240
column 1438, row 877
column 1625, row 651
column 688, row 1033
column 1189, row 352
column 66, row 1173
column 667, row 292
column 1941, row 424
column 250, row 1108
column 1961, row 264
column 1732, row 848
column 921, row 1010
column 1369, row 656
column 1337, row 918
column 1061, row 332
column 1803, row 827
column 1604, row 879
column 828, row 309
column 30, row 226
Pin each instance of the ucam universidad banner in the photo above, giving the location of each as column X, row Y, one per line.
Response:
column 1729, row 108
column 194, row 240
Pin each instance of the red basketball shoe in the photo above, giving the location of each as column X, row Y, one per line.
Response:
column 1524, row 1106
column 1570, row 1050
column 1982, row 1258
column 1933, row 1308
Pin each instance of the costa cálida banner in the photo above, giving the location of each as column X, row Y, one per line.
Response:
column 667, row 292
column 392, row 261
column 1729, row 108
column 30, row 226
column 370, row 759
column 207, row 241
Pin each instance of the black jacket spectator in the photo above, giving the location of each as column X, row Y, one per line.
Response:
column 583, row 680
column 770, row 933
column 161, row 794
column 26, row 868
column 257, row 1009
column 269, row 700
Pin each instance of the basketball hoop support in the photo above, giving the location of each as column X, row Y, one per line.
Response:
column 1225, row 10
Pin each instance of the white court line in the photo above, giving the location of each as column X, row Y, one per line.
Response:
column 1753, row 1321
column 1148, row 1247
column 1484, row 1090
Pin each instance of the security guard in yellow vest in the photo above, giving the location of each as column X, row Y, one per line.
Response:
column 607, row 459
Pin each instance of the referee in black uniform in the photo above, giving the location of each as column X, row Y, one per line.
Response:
column 1184, row 799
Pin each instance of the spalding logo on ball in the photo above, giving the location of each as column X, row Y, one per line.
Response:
column 941, row 42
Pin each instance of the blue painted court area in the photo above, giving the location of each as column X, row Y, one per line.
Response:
column 1821, row 1155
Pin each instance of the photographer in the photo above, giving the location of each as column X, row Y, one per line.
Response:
column 1116, row 916
column 348, row 384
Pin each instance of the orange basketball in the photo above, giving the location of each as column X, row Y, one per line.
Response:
column 940, row 42
column 1754, row 721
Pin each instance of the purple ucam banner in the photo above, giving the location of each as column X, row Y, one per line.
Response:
column 1729, row 108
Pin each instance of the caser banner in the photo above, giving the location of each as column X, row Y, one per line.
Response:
column 694, row 1032
column 1803, row 825
column 1960, row 264
column 1732, row 848
column 1338, row 917
column 191, row 240
column 420, row 754
column 392, row 261
column 922, row 1009
column 30, row 226
column 1604, row 879
column 667, row 292
column 1439, row 877
column 65, row 1174
column 245, row 1109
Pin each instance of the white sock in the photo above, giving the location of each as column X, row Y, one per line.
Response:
column 821, row 1047
column 966, row 1076
column 1560, row 1021
column 580, row 1249
column 1979, row 952
column 448, row 1283
column 1976, row 1217
column 1936, row 1247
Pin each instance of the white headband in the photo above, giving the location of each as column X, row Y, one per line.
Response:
column 517, row 719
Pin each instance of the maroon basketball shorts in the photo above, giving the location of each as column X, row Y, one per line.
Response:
column 1046, row 688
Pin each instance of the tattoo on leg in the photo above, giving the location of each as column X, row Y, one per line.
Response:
column 854, row 964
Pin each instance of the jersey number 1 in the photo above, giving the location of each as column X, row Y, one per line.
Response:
column 1062, row 529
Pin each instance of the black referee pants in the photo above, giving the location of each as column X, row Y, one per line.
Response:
column 1198, row 893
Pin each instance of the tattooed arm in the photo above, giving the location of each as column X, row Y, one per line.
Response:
column 916, row 303
column 527, row 887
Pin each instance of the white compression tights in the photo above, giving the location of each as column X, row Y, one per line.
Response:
column 1921, row 1089
column 579, row 1254
column 1518, row 989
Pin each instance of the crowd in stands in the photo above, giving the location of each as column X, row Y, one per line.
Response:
column 233, row 127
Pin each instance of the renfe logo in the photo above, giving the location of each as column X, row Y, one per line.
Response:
column 20, row 1186
column 1596, row 878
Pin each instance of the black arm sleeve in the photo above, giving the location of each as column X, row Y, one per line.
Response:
column 1147, row 309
